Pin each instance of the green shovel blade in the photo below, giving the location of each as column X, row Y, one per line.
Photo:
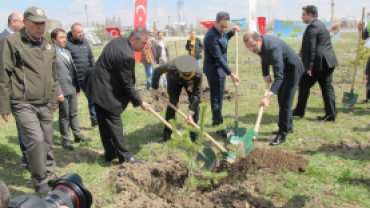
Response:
column 349, row 99
column 235, row 134
column 206, row 159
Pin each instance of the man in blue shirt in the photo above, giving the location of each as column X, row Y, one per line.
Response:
column 215, row 64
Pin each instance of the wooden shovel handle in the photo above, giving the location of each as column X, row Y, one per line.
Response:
column 237, row 73
column 221, row 148
column 258, row 122
column 358, row 51
column 163, row 121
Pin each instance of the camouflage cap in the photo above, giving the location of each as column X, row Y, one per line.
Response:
column 35, row 14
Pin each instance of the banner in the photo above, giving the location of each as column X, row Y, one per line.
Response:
column 114, row 31
column 208, row 24
column 140, row 14
column 293, row 30
column 241, row 22
column 252, row 15
column 262, row 25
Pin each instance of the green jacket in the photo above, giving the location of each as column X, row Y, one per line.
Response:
column 172, row 72
column 27, row 72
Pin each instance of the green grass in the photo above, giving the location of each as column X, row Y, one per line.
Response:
column 337, row 176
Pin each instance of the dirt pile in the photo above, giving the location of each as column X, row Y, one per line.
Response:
column 272, row 160
column 162, row 184
column 205, row 97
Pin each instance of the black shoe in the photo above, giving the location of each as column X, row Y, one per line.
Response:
column 166, row 136
column 133, row 160
column 366, row 101
column 279, row 139
column 80, row 138
column 222, row 133
column 67, row 144
column 52, row 181
column 94, row 122
column 277, row 132
column 326, row 118
column 42, row 190
column 296, row 113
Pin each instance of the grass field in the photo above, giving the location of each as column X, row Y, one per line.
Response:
column 339, row 154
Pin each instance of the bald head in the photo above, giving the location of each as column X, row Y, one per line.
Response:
column 253, row 41
column 15, row 21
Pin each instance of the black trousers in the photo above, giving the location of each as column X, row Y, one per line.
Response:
column 325, row 80
column 111, row 134
column 174, row 90
column 68, row 113
column 286, row 95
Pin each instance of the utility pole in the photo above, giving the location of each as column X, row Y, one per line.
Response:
column 332, row 10
column 269, row 20
column 87, row 18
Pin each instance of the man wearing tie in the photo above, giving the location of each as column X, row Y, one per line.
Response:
column 68, row 89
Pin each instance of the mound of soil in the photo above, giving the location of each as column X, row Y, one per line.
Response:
column 205, row 97
column 163, row 184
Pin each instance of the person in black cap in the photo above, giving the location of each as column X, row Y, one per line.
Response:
column 182, row 72
column 29, row 89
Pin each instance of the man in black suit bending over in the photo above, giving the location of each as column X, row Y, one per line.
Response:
column 319, row 61
column 288, row 69
column 111, row 85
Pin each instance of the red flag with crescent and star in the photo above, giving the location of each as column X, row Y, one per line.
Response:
column 140, row 19
column 114, row 31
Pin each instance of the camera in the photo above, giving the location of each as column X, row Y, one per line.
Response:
column 67, row 191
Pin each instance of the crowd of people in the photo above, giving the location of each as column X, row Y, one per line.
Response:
column 37, row 77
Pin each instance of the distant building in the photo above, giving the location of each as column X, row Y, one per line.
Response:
column 349, row 22
column 52, row 24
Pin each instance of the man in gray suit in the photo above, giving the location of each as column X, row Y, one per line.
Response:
column 288, row 69
column 15, row 23
column 68, row 89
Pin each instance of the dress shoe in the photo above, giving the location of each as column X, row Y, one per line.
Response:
column 277, row 132
column 296, row 113
column 42, row 190
column 279, row 139
column 326, row 118
column 94, row 122
column 222, row 133
column 166, row 136
column 67, row 144
column 366, row 101
column 133, row 160
column 80, row 138
column 53, row 181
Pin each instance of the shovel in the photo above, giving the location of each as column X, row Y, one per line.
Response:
column 206, row 158
column 247, row 144
column 350, row 98
column 236, row 134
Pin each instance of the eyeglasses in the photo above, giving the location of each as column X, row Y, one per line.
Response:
column 254, row 46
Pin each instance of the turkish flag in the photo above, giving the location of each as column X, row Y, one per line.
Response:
column 140, row 19
column 114, row 31
column 262, row 25
column 208, row 24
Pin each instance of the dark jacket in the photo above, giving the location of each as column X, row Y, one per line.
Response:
column 172, row 73
column 198, row 48
column 283, row 59
column 111, row 84
column 27, row 72
column 67, row 74
column 4, row 34
column 215, row 54
column 365, row 34
column 159, row 51
column 316, row 46
column 81, row 54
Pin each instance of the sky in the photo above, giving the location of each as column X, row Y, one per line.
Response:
column 70, row 11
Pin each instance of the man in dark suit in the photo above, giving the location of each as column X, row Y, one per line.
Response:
column 15, row 23
column 68, row 89
column 111, row 85
column 319, row 61
column 288, row 69
column 215, row 64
